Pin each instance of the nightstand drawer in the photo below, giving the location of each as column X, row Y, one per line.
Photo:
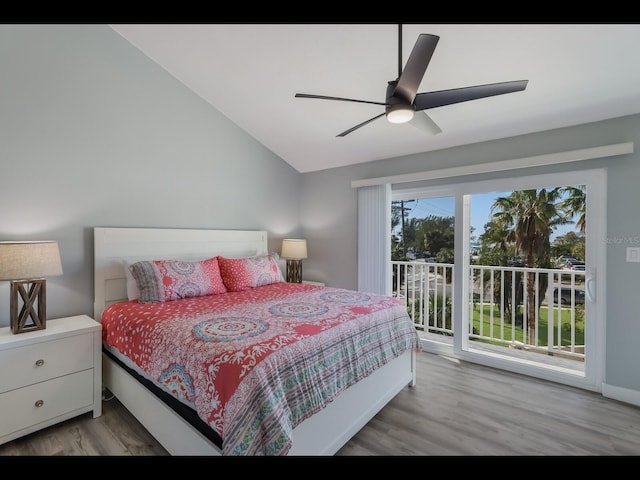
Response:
column 28, row 406
column 34, row 363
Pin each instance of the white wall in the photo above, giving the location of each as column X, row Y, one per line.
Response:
column 329, row 220
column 93, row 133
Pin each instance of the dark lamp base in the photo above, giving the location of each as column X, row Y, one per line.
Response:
column 32, row 314
column 294, row 271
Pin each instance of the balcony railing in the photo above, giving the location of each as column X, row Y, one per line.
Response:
column 498, row 303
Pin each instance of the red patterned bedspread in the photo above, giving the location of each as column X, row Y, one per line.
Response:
column 255, row 364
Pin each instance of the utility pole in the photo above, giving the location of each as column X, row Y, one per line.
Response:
column 403, row 213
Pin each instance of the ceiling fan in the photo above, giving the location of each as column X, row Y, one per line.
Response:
column 402, row 103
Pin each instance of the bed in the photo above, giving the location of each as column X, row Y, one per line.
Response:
column 307, row 393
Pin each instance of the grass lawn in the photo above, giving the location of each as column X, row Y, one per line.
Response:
column 505, row 331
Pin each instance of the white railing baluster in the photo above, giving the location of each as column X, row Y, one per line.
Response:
column 427, row 305
column 482, row 290
column 501, row 306
column 514, row 307
column 492, row 287
column 550, row 310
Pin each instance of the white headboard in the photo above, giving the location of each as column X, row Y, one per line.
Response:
column 115, row 246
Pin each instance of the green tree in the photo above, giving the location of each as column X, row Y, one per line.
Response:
column 568, row 244
column 529, row 217
column 497, row 250
column 411, row 227
column 435, row 233
column 575, row 205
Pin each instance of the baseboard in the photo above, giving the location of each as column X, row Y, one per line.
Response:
column 622, row 394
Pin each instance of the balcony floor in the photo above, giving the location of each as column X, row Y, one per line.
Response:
column 575, row 365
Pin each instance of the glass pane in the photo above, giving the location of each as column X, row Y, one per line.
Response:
column 422, row 253
column 527, row 270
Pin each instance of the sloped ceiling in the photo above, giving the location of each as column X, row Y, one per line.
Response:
column 251, row 72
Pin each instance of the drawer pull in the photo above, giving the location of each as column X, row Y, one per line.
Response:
column 39, row 403
column 39, row 363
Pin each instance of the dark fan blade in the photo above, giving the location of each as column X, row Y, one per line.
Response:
column 347, row 132
column 424, row 122
column 424, row 101
column 322, row 97
column 411, row 76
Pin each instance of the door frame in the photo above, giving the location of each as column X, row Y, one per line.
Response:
column 595, row 305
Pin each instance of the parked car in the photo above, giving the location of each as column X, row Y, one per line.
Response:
column 566, row 261
column 570, row 263
column 516, row 262
column 565, row 296
column 575, row 265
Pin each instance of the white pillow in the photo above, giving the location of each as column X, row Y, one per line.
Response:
column 133, row 292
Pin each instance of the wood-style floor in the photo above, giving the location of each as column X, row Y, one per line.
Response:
column 457, row 408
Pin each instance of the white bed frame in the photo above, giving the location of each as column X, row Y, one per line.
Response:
column 322, row 434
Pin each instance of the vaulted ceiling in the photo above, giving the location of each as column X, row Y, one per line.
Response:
column 251, row 72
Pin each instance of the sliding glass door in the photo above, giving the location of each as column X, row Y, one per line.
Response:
column 504, row 272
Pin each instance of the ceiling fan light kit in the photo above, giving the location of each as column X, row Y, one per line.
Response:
column 402, row 101
column 399, row 113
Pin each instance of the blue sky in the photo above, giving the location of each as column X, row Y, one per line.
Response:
column 480, row 210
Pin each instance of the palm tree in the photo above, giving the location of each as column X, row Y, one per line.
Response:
column 529, row 217
column 496, row 250
column 575, row 204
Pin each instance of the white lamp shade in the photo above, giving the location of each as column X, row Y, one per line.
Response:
column 29, row 260
column 294, row 248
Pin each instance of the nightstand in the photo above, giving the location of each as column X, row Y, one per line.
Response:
column 48, row 376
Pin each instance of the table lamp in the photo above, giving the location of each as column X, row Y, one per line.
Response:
column 25, row 264
column 294, row 250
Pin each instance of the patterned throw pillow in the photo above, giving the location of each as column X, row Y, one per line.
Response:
column 240, row 274
column 164, row 280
